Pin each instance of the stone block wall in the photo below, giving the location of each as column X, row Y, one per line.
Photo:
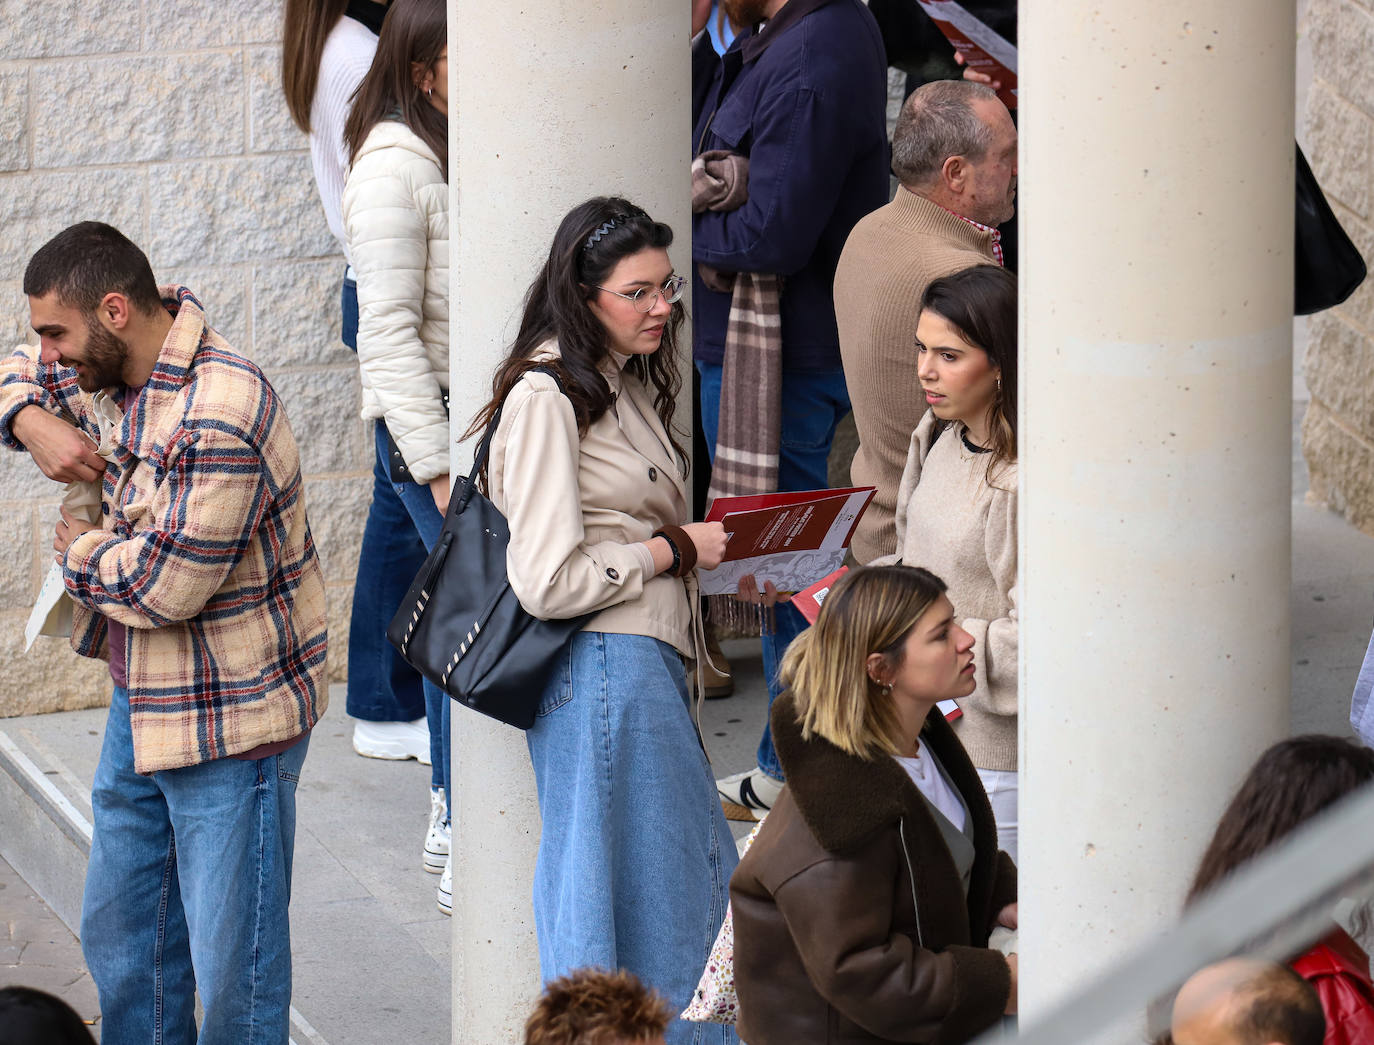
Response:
column 1338, row 428
column 165, row 119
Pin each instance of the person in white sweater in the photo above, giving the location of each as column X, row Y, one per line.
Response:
column 956, row 505
column 327, row 47
column 395, row 216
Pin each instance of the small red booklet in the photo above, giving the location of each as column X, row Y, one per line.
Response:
column 983, row 47
column 791, row 539
column 808, row 601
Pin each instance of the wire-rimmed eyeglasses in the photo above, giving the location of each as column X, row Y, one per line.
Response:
column 645, row 298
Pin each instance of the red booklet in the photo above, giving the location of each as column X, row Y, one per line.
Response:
column 791, row 539
column 808, row 601
column 983, row 48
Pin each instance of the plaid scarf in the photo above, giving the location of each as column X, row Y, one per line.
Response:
column 750, row 430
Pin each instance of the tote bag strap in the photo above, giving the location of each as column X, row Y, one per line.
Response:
column 479, row 459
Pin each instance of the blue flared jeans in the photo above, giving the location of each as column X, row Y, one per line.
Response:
column 635, row 855
column 381, row 686
column 187, row 890
column 423, row 520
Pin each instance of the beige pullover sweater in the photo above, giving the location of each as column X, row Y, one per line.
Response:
column 956, row 524
column 889, row 259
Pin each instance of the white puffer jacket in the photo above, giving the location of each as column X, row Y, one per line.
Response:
column 395, row 211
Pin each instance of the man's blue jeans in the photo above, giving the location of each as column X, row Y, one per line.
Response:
column 813, row 404
column 381, row 686
column 187, row 891
column 423, row 519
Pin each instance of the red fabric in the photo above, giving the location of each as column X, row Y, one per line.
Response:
column 1339, row 972
column 996, row 234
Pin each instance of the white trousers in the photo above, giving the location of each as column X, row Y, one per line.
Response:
column 1001, row 787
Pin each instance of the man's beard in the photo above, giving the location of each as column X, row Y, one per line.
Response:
column 106, row 356
column 745, row 14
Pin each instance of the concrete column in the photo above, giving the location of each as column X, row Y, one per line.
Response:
column 553, row 103
column 1156, row 292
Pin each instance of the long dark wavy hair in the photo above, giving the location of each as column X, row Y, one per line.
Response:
column 1292, row 782
column 556, row 308
column 980, row 303
column 413, row 37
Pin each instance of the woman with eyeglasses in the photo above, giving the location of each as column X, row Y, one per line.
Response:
column 395, row 210
column 587, row 467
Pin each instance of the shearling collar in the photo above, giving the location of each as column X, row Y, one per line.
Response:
column 845, row 799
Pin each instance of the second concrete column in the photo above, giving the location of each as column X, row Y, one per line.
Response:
column 553, row 103
column 1156, row 290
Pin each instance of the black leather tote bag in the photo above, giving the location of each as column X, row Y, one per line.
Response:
column 460, row 624
column 1327, row 266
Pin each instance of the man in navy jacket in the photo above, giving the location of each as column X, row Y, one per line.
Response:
column 802, row 92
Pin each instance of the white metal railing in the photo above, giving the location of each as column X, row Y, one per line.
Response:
column 1271, row 909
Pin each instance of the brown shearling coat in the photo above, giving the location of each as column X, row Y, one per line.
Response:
column 851, row 923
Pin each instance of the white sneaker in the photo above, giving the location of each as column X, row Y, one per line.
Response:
column 749, row 795
column 392, row 740
column 445, row 897
column 437, row 840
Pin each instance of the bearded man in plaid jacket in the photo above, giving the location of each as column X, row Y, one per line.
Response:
column 202, row 588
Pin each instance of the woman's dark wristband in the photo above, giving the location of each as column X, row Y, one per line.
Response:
column 676, row 564
column 684, row 551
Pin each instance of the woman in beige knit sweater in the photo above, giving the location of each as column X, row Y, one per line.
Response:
column 956, row 506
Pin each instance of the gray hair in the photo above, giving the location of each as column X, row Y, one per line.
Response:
column 938, row 122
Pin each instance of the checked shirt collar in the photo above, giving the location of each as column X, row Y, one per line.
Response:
column 994, row 233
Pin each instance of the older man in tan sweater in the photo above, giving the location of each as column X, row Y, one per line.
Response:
column 954, row 152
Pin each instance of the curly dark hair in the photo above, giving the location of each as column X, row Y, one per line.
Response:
column 595, row 1007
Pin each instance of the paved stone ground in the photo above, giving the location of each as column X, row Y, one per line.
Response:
column 37, row 950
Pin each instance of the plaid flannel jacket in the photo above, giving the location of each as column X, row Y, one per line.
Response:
column 205, row 554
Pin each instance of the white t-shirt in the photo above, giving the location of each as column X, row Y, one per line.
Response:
column 930, row 780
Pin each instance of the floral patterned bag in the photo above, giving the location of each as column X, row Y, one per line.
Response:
column 714, row 1000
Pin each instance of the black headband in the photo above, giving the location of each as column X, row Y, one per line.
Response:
column 603, row 229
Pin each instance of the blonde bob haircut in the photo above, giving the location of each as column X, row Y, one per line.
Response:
column 871, row 610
